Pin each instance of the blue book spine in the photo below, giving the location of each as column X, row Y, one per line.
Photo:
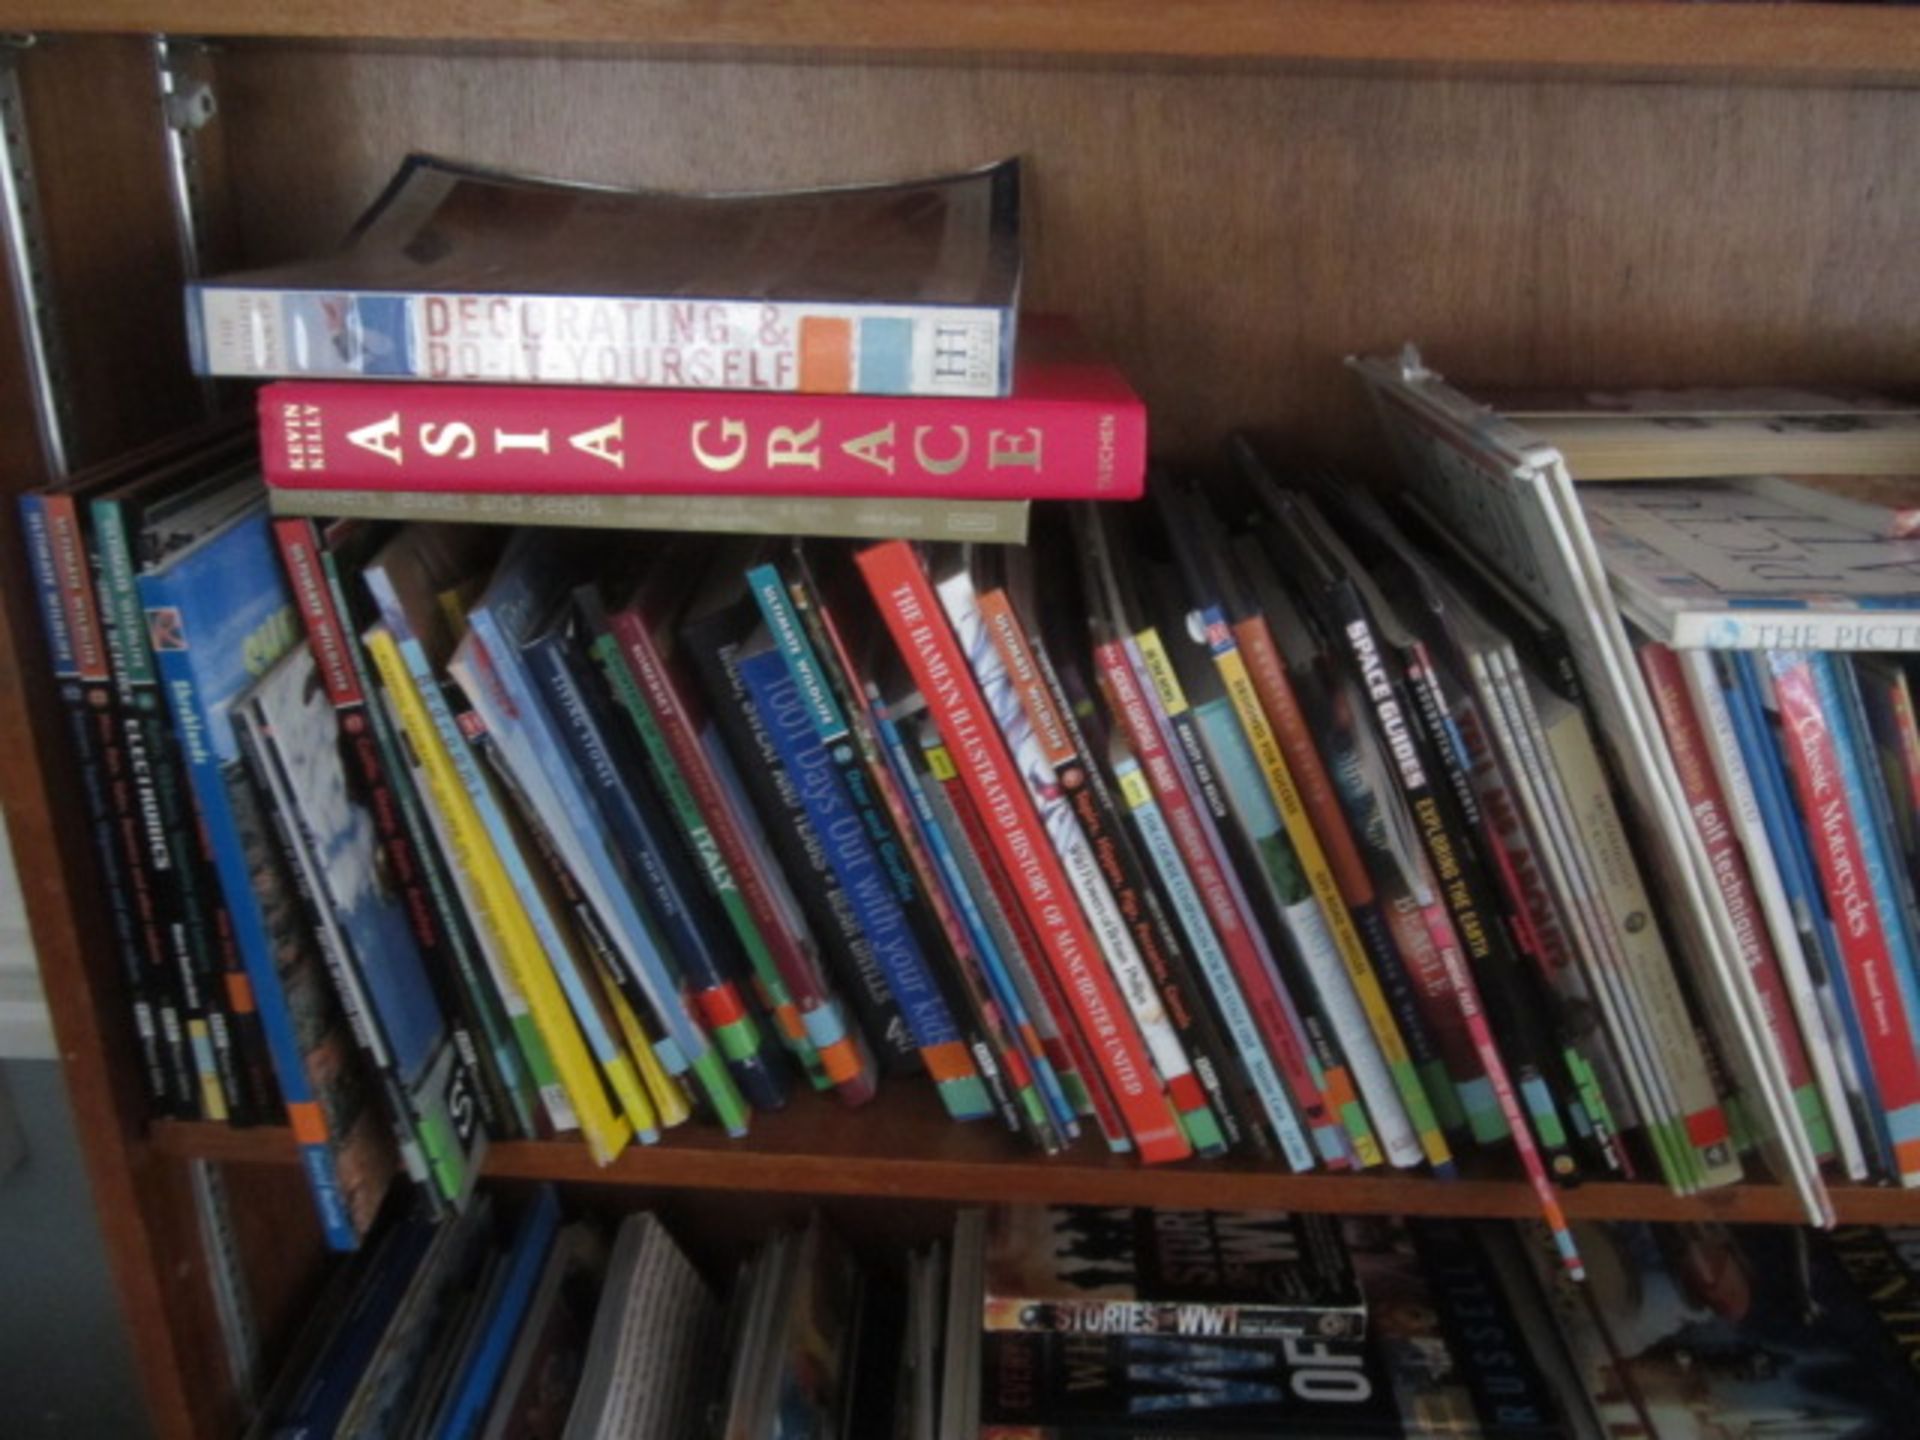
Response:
column 540, row 756
column 960, row 895
column 1780, row 813
column 232, row 583
column 473, row 1385
column 647, row 845
column 858, row 868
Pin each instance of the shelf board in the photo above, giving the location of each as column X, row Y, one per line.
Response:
column 903, row 1147
column 1833, row 42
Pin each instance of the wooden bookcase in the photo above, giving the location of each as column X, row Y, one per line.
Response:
column 1230, row 194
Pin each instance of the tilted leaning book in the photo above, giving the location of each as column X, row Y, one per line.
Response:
column 219, row 613
column 904, row 289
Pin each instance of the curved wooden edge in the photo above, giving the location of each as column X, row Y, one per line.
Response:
column 1832, row 42
column 904, row 1148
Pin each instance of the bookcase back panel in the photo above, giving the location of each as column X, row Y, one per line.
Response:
column 1230, row 235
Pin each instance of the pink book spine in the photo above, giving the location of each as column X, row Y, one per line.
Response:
column 1074, row 433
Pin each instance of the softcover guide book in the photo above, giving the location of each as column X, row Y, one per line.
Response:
column 904, row 289
column 1090, row 1270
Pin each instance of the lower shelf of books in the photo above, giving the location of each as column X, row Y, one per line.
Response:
column 904, row 1146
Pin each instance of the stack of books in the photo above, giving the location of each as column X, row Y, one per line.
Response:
column 1104, row 1324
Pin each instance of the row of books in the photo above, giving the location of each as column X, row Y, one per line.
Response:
column 1251, row 818
column 1104, row 1324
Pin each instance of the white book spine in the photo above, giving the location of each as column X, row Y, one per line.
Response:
column 1731, row 766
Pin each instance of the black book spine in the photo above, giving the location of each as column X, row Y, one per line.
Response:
column 859, row 977
column 1247, row 866
column 1408, row 734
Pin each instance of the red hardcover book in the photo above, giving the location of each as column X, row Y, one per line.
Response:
column 1707, row 804
column 918, row 624
column 1834, row 837
column 1072, row 429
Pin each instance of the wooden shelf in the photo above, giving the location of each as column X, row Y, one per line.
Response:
column 1849, row 43
column 903, row 1147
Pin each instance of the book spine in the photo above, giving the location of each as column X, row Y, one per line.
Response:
column 213, row 978
column 1393, row 723
column 1280, row 708
column 1137, row 794
column 528, row 439
column 1544, row 913
column 1794, row 629
column 876, row 517
column 58, row 565
column 1833, row 830
column 544, row 1101
column 1075, row 1057
column 335, row 659
column 167, row 854
column 459, row 789
column 1197, row 1320
column 276, row 810
column 1302, row 947
column 1186, row 1001
column 951, row 962
column 809, row 1019
column 912, row 613
column 763, row 786
column 809, row 637
column 599, row 986
column 861, row 874
column 979, row 891
column 642, row 837
column 1356, row 960
column 1707, row 803
column 1279, row 1025
column 1819, row 945
column 637, row 341
column 219, row 796
column 504, row 717
column 987, row 631
column 1715, row 703
column 1840, row 692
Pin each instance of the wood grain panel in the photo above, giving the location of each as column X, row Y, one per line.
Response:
column 1851, row 42
column 1229, row 236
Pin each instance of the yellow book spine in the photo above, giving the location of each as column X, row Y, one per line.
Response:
column 606, row 1132
column 1313, row 860
column 669, row 1100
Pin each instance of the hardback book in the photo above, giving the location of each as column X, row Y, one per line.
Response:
column 1725, row 566
column 1071, row 429
column 219, row 613
column 534, row 1392
column 903, row 289
column 1695, row 434
column 1086, row 1270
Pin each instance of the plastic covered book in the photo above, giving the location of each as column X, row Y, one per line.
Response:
column 459, row 273
column 1169, row 1272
